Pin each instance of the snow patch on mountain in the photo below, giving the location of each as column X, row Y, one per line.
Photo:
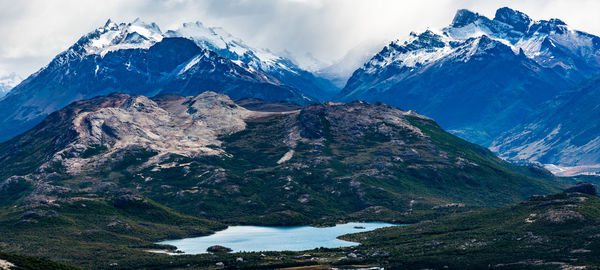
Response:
column 191, row 63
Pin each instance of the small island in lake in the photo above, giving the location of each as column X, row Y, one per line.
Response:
column 218, row 249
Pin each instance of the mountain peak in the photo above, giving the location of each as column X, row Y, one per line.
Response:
column 113, row 36
column 110, row 24
column 232, row 47
column 464, row 17
column 518, row 20
column 202, row 35
column 556, row 21
column 150, row 26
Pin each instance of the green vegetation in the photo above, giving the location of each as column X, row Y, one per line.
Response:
column 336, row 177
column 347, row 163
column 32, row 263
column 489, row 183
column 92, row 233
column 545, row 232
column 14, row 191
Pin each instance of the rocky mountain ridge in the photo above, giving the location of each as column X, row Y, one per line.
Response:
column 201, row 150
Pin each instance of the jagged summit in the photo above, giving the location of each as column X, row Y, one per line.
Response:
column 113, row 36
column 464, row 17
column 507, row 24
column 518, row 20
column 139, row 34
column 109, row 23
column 509, row 27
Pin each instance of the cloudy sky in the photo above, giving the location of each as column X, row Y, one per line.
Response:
column 33, row 31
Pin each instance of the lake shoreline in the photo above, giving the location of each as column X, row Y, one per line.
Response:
column 248, row 238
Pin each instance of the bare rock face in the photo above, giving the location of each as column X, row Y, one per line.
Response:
column 183, row 126
column 187, row 126
column 107, row 131
column 6, row 265
column 561, row 216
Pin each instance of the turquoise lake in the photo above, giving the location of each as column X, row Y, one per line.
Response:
column 258, row 238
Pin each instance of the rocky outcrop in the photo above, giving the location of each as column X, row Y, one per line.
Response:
column 561, row 216
column 127, row 200
column 182, row 126
column 585, row 188
column 6, row 265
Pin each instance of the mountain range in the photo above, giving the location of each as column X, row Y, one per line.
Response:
column 134, row 135
column 482, row 79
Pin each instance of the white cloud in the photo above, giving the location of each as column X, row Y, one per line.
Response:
column 34, row 31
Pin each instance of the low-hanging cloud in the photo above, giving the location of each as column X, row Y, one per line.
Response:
column 34, row 31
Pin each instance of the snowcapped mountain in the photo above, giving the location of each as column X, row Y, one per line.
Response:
column 218, row 40
column 137, row 58
column 113, row 37
column 225, row 44
column 7, row 83
column 551, row 43
column 478, row 77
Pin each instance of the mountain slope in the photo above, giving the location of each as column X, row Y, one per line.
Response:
column 138, row 58
column 564, row 132
column 478, row 76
